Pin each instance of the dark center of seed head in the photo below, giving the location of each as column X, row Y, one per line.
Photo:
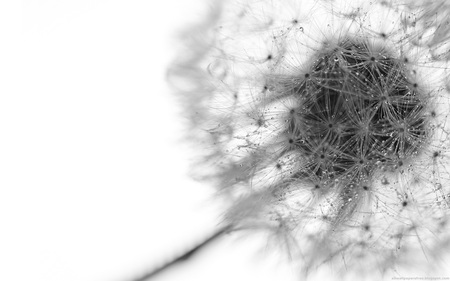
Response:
column 341, row 95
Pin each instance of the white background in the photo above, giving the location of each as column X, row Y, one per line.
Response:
column 94, row 181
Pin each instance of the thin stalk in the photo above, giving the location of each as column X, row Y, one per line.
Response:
column 187, row 255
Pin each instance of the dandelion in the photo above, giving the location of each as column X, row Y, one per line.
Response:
column 324, row 123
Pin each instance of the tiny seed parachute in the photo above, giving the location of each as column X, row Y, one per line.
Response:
column 325, row 124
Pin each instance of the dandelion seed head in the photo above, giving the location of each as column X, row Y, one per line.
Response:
column 325, row 123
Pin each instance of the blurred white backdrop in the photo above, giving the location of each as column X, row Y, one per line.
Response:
column 94, row 177
column 94, row 181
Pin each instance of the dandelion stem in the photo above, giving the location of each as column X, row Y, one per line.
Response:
column 187, row 255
